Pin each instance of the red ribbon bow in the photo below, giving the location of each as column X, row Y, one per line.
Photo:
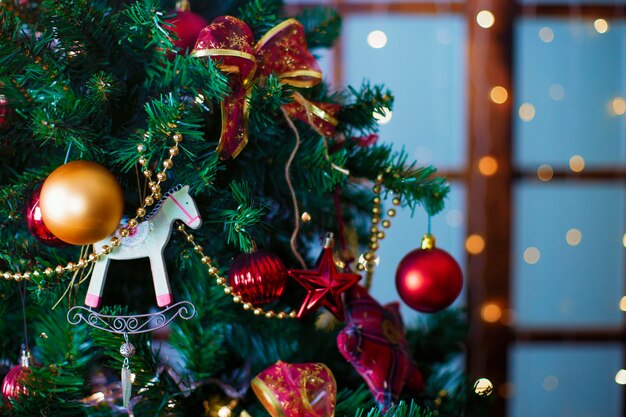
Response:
column 282, row 51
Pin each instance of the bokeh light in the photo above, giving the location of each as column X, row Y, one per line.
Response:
column 384, row 117
column 483, row 387
column 556, row 92
column 527, row 112
column 550, row 383
column 475, row 244
column 618, row 106
column 601, row 25
column 546, row 34
column 573, row 237
column 577, row 163
column 377, row 39
column 532, row 255
column 491, row 312
column 488, row 165
column 498, row 94
column 620, row 377
column 545, row 172
column 485, row 19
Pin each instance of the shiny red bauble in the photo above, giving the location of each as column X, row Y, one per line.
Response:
column 13, row 384
column 258, row 277
column 34, row 221
column 187, row 26
column 429, row 280
column 5, row 111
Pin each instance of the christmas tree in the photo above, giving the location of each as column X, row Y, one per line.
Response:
column 206, row 141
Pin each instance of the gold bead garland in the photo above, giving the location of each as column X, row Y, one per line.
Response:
column 375, row 233
column 222, row 281
column 155, row 195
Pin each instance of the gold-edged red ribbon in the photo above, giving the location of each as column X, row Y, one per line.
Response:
column 282, row 51
column 297, row 390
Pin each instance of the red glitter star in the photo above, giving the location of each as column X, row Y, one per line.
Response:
column 324, row 285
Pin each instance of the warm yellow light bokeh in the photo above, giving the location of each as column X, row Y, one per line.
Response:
column 488, row 165
column 475, row 244
column 383, row 118
column 498, row 94
column 545, row 172
column 485, row 19
column 491, row 313
column 601, row 25
column 577, row 163
column 483, row 387
column 618, row 106
column 620, row 377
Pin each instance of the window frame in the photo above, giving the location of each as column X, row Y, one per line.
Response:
column 488, row 273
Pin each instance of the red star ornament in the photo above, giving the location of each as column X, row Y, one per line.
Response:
column 324, row 285
column 373, row 342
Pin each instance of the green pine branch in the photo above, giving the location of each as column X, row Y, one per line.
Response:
column 403, row 409
column 356, row 115
column 266, row 120
column 261, row 16
column 416, row 185
column 322, row 26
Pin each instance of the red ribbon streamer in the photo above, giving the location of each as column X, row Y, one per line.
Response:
column 282, row 51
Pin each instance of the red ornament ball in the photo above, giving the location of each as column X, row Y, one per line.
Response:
column 429, row 280
column 186, row 26
column 13, row 383
column 34, row 221
column 258, row 277
column 5, row 111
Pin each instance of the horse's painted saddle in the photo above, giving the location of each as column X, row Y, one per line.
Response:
column 137, row 234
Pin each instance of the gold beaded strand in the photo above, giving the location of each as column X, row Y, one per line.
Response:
column 222, row 281
column 376, row 234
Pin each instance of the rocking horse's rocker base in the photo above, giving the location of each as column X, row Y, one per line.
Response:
column 140, row 323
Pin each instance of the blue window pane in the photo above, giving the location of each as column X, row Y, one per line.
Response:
column 422, row 60
column 442, row 3
column 574, row 2
column 320, row 2
column 405, row 234
column 568, row 254
column 566, row 380
column 325, row 60
column 570, row 92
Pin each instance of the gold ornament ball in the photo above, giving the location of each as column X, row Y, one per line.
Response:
column 81, row 202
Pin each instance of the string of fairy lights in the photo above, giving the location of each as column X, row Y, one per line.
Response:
column 526, row 110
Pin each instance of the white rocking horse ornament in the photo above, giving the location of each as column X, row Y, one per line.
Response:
column 148, row 240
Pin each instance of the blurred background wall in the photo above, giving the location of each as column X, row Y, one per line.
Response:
column 521, row 104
